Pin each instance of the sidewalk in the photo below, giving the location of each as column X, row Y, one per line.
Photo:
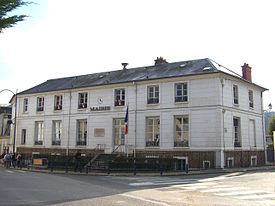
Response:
column 116, row 173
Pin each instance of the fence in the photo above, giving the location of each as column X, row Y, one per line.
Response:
column 106, row 164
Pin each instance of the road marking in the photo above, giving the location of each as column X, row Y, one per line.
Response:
column 145, row 200
column 224, row 189
column 254, row 197
column 9, row 171
column 241, row 193
column 266, row 202
column 158, row 183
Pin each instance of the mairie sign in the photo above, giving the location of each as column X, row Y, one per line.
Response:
column 101, row 108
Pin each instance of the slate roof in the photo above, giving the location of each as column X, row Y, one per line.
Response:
column 165, row 70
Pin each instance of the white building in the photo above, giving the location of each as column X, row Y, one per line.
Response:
column 192, row 111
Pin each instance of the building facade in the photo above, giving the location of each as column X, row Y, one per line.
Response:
column 5, row 122
column 190, row 111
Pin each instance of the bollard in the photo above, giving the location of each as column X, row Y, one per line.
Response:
column 135, row 168
column 108, row 168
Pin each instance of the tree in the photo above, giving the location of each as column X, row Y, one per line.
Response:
column 271, row 125
column 7, row 6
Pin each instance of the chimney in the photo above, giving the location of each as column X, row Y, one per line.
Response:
column 160, row 60
column 247, row 72
column 124, row 65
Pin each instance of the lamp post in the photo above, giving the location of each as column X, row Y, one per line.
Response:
column 15, row 111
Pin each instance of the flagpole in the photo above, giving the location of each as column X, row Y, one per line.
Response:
column 126, row 121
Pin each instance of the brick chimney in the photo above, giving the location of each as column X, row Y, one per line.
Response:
column 247, row 72
column 160, row 60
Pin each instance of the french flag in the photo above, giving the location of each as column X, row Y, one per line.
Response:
column 126, row 122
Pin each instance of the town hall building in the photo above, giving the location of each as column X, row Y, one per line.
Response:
column 193, row 111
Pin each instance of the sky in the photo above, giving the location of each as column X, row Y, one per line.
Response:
column 62, row 38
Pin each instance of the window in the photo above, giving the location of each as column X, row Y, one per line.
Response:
column 235, row 94
column 181, row 131
column 119, row 132
column 82, row 100
column 250, row 97
column 40, row 104
column 58, row 102
column 153, row 95
column 152, row 131
column 25, row 104
column 181, row 92
column 23, row 136
column 237, row 132
column 39, row 133
column 230, row 162
column 253, row 161
column 206, row 164
column 251, row 133
column 57, row 132
column 119, row 97
column 81, row 132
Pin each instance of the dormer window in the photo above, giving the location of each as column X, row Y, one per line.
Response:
column 82, row 100
column 40, row 104
column 119, row 97
column 58, row 102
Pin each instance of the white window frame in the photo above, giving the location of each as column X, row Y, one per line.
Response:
column 183, row 129
column 39, row 133
column 235, row 94
column 251, row 99
column 23, row 136
column 58, row 101
column 183, row 97
column 81, row 132
column 40, row 104
column 119, row 96
column 82, row 100
column 152, row 136
column 119, row 131
column 25, row 104
column 153, row 94
column 57, row 132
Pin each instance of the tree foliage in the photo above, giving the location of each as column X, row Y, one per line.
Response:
column 271, row 125
column 7, row 6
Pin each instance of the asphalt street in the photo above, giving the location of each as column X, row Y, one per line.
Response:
column 239, row 188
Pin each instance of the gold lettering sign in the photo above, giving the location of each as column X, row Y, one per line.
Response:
column 101, row 108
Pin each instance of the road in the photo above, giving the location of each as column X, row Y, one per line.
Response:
column 239, row 188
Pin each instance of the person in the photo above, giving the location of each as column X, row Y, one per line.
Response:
column 7, row 160
column 13, row 160
column 77, row 161
column 19, row 160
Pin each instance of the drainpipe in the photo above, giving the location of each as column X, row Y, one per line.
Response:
column 69, row 123
column 135, row 142
column 263, row 128
column 222, row 141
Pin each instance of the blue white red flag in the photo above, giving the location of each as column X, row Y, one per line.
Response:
column 126, row 122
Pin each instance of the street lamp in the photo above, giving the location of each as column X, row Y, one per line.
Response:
column 270, row 107
column 15, row 111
